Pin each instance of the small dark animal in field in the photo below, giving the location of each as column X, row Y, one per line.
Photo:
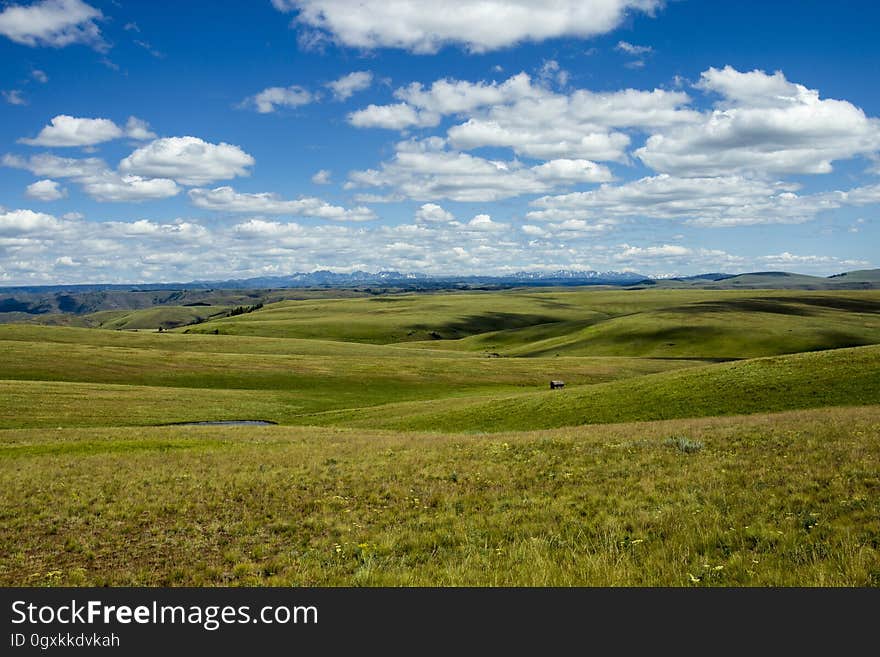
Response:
column 555, row 385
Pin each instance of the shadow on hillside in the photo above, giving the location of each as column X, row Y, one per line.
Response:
column 774, row 306
column 670, row 336
column 699, row 335
column 782, row 305
column 839, row 340
column 483, row 323
column 840, row 303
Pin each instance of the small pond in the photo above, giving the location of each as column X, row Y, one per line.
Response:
column 225, row 423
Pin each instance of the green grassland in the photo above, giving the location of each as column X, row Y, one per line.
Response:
column 704, row 437
column 651, row 323
column 204, row 342
column 87, row 385
column 851, row 280
column 155, row 317
column 401, row 318
column 89, row 308
column 784, row 500
column 809, row 380
column 159, row 316
column 724, row 325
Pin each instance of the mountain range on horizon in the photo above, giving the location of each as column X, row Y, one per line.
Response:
column 21, row 303
column 417, row 280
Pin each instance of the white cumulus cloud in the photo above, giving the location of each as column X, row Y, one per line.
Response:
column 96, row 178
column 110, row 186
column 423, row 27
column 432, row 213
column 46, row 190
column 765, row 125
column 21, row 222
column 321, row 177
column 54, row 23
column 346, row 86
column 43, row 249
column 64, row 130
column 269, row 100
column 483, row 223
column 138, row 129
column 188, row 160
column 398, row 116
column 52, row 166
column 226, row 199
column 713, row 201
column 426, row 170
column 530, row 118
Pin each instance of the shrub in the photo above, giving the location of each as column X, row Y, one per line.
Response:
column 684, row 444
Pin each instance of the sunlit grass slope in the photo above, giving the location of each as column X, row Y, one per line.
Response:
column 809, row 380
column 401, row 318
column 783, row 500
column 153, row 318
column 203, row 343
column 82, row 381
column 446, row 316
column 446, row 461
column 720, row 325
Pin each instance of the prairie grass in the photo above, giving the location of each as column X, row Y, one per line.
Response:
column 784, row 499
column 417, row 443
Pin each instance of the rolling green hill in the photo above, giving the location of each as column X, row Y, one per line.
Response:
column 165, row 317
column 688, row 447
column 779, row 280
column 770, row 280
column 39, row 301
column 861, row 277
column 401, row 318
column 592, row 338
column 657, row 323
column 725, row 329
column 100, row 378
column 690, row 324
column 840, row 377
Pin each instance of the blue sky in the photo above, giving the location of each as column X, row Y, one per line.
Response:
column 147, row 142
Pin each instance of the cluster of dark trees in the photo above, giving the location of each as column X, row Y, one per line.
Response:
column 241, row 310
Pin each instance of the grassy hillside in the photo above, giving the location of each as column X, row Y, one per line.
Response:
column 153, row 318
column 152, row 378
column 769, row 280
column 810, row 380
column 781, row 280
column 422, row 446
column 166, row 317
column 47, row 304
column 708, row 325
column 387, row 319
column 448, row 316
column 840, row 377
column 658, row 323
column 859, row 277
column 725, row 329
column 205, row 343
column 782, row 500
column 141, row 380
